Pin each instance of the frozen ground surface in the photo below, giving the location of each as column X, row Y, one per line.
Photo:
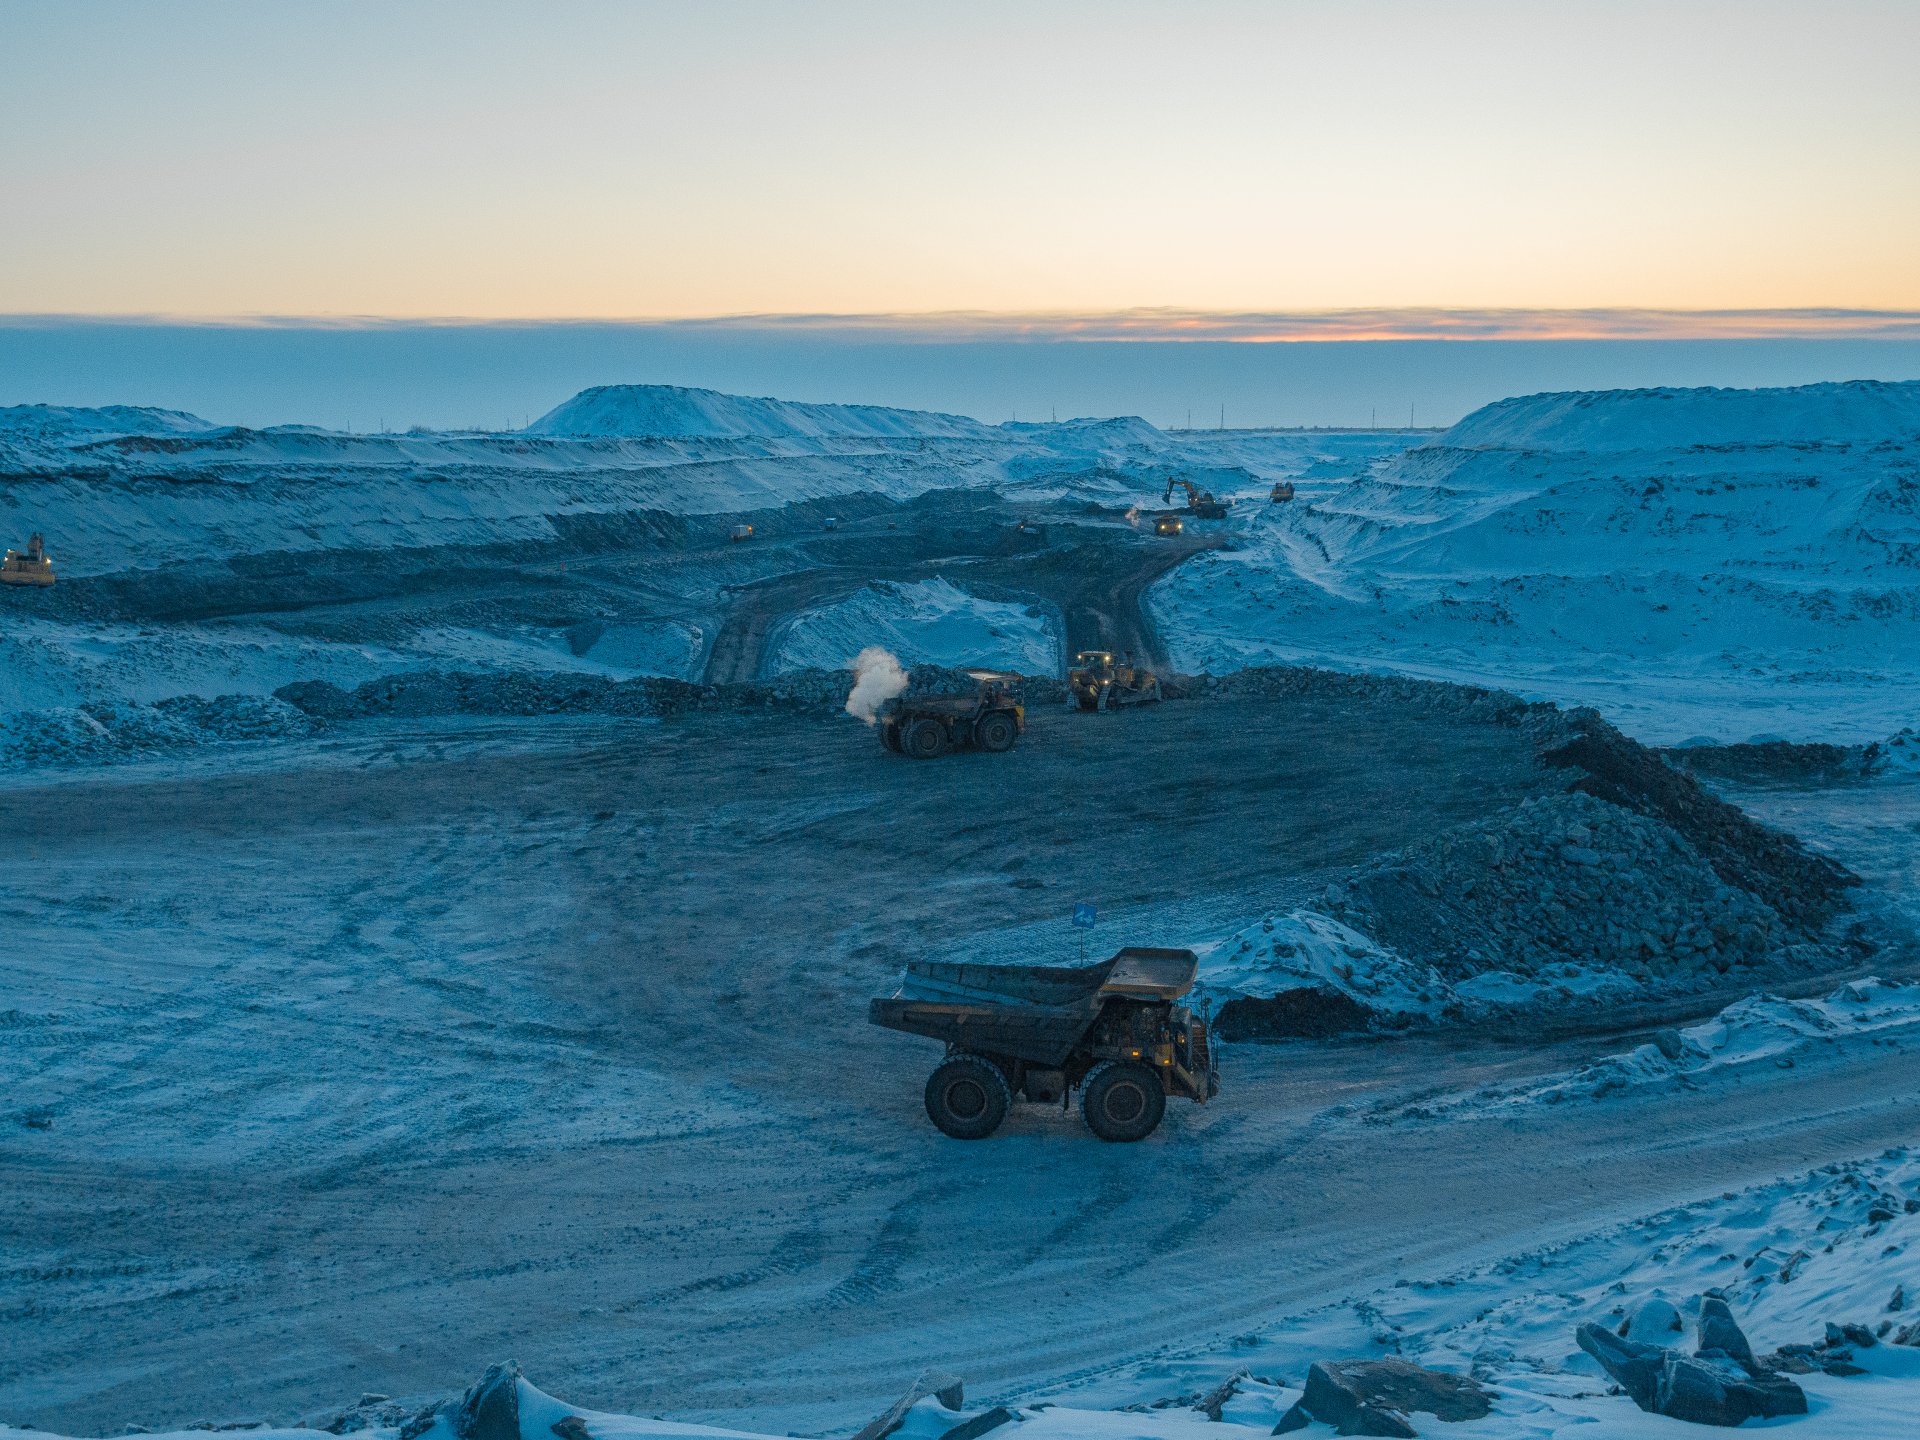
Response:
column 1692, row 563
column 375, row 1058
column 1793, row 1256
column 356, row 1060
column 932, row 622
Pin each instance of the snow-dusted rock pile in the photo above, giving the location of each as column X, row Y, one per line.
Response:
column 435, row 692
column 1423, row 697
column 1305, row 973
column 1566, row 879
column 1806, row 890
column 1774, row 760
column 104, row 734
column 1898, row 755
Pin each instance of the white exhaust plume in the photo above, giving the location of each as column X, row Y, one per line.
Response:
column 877, row 678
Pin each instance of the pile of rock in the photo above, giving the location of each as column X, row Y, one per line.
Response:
column 108, row 734
column 1566, row 879
column 1424, row 697
column 1375, row 1397
column 1804, row 889
column 1721, row 1383
column 439, row 692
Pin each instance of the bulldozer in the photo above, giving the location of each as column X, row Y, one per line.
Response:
column 1114, row 1031
column 1200, row 503
column 1097, row 682
column 925, row 727
column 28, row 567
column 1281, row 493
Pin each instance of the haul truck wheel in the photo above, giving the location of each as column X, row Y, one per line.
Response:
column 924, row 739
column 968, row 1097
column 997, row 732
column 890, row 736
column 1122, row 1101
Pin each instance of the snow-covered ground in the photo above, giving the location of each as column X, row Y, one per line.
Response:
column 933, row 622
column 407, row 1045
column 1692, row 563
column 1834, row 1247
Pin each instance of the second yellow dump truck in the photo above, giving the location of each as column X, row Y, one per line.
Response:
column 926, row 726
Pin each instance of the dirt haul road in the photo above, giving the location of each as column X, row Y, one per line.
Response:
column 420, row 1049
column 1093, row 577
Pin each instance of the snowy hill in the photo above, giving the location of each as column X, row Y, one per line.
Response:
column 1855, row 412
column 673, row 410
column 1118, row 432
column 1722, row 562
column 67, row 421
column 32, row 434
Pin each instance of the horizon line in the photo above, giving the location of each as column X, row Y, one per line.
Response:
column 1140, row 325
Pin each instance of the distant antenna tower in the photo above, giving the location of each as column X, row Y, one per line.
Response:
column 1373, row 418
column 1409, row 414
column 1223, row 416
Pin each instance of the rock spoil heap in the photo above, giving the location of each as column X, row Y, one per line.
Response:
column 1570, row 879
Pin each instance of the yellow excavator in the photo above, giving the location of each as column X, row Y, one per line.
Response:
column 1200, row 503
column 28, row 567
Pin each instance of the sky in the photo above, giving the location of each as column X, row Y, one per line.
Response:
column 1286, row 212
column 581, row 159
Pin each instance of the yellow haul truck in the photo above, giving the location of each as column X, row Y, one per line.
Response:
column 1113, row 1031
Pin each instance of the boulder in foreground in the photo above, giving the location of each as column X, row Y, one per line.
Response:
column 1374, row 1397
column 1710, row 1388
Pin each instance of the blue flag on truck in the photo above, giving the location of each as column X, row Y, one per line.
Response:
column 1083, row 916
